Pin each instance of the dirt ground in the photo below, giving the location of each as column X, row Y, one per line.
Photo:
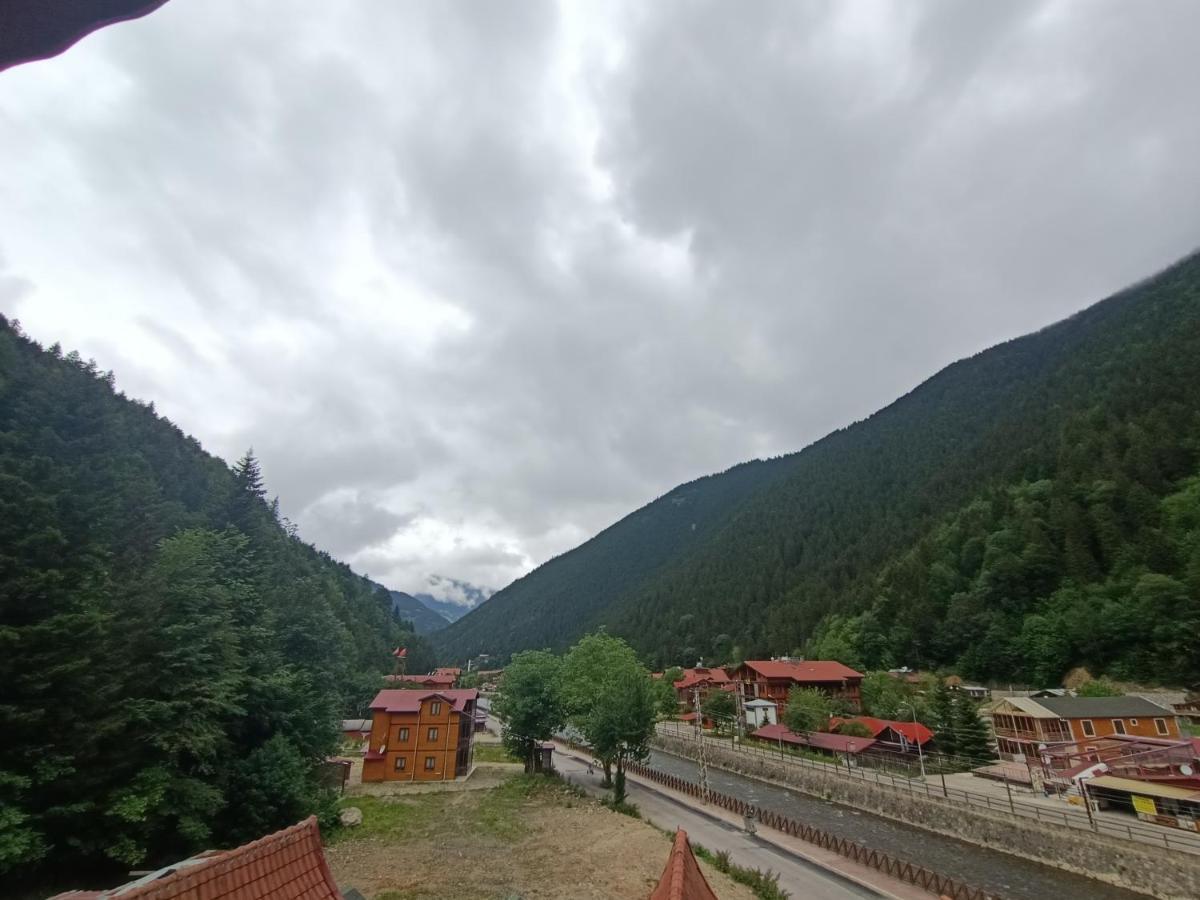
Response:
column 524, row 839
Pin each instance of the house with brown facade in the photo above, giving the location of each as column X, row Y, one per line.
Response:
column 1026, row 727
column 771, row 679
column 421, row 735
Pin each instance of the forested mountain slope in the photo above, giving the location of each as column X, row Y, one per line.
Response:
column 409, row 608
column 1031, row 508
column 173, row 662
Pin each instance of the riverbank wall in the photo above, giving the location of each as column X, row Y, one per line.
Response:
column 1138, row 867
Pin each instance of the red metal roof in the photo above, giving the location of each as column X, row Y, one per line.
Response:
column 914, row 733
column 286, row 865
column 815, row 670
column 839, row 743
column 402, row 701
column 682, row 878
column 693, row 677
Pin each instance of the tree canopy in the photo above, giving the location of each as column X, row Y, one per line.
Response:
column 175, row 660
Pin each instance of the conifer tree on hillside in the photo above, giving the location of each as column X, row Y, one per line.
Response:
column 970, row 734
column 942, row 720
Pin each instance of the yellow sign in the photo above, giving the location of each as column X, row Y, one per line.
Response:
column 1144, row 806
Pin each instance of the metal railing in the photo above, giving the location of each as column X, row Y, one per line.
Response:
column 1083, row 820
column 908, row 872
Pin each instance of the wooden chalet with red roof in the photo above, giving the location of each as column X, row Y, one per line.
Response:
column 286, row 865
column 702, row 679
column 771, row 679
column 891, row 735
column 421, row 735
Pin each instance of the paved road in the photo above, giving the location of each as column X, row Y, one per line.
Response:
column 802, row 878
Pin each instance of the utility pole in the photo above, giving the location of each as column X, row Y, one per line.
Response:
column 703, row 760
column 917, row 738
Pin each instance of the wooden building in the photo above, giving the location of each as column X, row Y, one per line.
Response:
column 1026, row 727
column 421, row 735
column 771, row 679
column 702, row 679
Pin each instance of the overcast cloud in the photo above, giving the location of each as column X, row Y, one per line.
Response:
column 477, row 279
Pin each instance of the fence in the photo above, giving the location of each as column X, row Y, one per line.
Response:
column 1157, row 836
column 882, row 862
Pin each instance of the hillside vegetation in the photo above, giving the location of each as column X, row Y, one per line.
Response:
column 174, row 660
column 1034, row 507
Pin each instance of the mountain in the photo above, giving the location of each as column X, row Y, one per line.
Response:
column 174, row 658
column 455, row 598
column 409, row 608
column 1031, row 508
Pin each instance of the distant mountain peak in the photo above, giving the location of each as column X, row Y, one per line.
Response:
column 452, row 598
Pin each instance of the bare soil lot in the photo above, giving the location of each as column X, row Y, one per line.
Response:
column 529, row 837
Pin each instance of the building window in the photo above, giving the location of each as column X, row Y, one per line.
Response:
column 1118, row 726
column 432, row 734
column 435, row 708
column 1160, row 725
column 1089, row 730
column 1133, row 722
column 403, row 736
column 401, row 763
column 430, row 762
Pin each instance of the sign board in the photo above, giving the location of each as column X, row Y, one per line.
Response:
column 1144, row 806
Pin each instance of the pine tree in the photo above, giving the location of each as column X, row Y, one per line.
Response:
column 941, row 714
column 970, row 734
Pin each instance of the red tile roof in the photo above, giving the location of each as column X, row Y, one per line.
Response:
column 693, row 677
column 839, row 743
column 809, row 670
column 434, row 679
column 682, row 878
column 402, row 701
column 286, row 865
column 914, row 733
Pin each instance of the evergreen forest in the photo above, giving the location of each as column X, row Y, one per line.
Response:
column 174, row 660
column 1024, row 511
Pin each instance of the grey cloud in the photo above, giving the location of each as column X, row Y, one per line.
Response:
column 475, row 281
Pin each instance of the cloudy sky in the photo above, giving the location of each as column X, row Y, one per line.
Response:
column 477, row 279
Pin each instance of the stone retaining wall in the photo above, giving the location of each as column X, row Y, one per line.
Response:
column 1163, row 874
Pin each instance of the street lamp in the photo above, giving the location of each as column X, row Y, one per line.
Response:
column 917, row 738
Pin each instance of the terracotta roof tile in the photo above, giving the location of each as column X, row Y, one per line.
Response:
column 286, row 865
column 400, row 700
column 818, row 670
column 682, row 878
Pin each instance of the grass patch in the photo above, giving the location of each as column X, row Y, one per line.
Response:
column 493, row 753
column 497, row 813
column 625, row 808
column 765, row 885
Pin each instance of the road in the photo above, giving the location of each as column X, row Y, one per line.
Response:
column 801, row 877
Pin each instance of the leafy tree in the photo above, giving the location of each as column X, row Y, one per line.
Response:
column 672, row 674
column 666, row 700
column 883, row 696
column 530, row 703
column 721, row 708
column 1099, row 687
column 854, row 729
column 808, row 709
column 589, row 670
column 622, row 723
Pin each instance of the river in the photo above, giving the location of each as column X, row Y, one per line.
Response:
column 1011, row 877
